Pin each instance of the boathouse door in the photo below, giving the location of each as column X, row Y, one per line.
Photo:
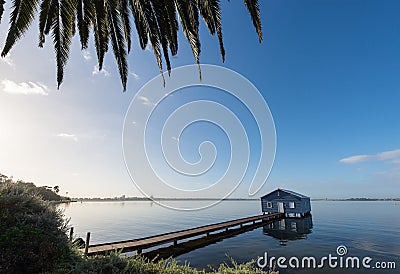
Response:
column 281, row 209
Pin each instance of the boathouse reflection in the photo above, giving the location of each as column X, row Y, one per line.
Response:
column 289, row 229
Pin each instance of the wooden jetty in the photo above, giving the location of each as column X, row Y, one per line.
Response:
column 173, row 237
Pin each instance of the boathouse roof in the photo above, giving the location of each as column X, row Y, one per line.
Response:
column 288, row 192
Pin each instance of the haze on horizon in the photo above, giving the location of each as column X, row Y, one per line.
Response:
column 327, row 69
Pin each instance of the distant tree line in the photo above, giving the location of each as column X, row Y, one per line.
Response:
column 47, row 193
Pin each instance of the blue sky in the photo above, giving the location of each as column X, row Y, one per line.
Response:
column 329, row 71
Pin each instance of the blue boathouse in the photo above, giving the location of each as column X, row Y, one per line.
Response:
column 291, row 203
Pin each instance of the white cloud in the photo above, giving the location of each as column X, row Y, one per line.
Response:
column 102, row 71
column 29, row 88
column 145, row 101
column 355, row 159
column 86, row 54
column 136, row 76
column 8, row 60
column 391, row 155
column 68, row 136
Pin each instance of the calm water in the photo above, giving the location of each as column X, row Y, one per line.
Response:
column 365, row 228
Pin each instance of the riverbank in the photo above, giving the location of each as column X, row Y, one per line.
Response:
column 33, row 239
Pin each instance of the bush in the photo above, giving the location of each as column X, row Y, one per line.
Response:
column 33, row 236
column 115, row 263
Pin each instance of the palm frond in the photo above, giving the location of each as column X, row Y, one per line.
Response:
column 216, row 11
column 210, row 11
column 140, row 22
column 188, row 14
column 2, row 2
column 56, row 33
column 47, row 12
column 156, row 21
column 153, row 31
column 63, row 25
column 21, row 17
column 51, row 14
column 67, row 14
column 254, row 10
column 100, row 31
column 163, row 30
column 124, row 11
column 116, row 32
column 172, row 25
column 84, row 17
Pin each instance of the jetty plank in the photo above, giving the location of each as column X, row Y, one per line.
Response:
column 147, row 242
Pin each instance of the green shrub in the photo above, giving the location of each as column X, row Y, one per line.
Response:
column 32, row 232
column 116, row 263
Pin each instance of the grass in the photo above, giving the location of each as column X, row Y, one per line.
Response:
column 115, row 263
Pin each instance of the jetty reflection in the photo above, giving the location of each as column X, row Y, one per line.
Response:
column 289, row 229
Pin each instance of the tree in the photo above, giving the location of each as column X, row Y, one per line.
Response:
column 3, row 178
column 156, row 23
column 56, row 189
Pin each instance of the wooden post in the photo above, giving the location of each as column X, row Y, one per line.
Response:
column 241, row 225
column 87, row 243
column 208, row 234
column 139, row 251
column 71, row 233
column 226, row 229
column 175, row 242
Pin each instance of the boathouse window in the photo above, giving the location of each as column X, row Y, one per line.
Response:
column 269, row 204
column 291, row 204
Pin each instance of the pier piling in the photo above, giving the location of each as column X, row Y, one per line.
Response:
column 87, row 243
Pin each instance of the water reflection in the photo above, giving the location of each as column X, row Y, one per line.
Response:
column 289, row 229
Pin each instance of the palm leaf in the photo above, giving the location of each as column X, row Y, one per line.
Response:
column 116, row 32
column 155, row 21
column 56, row 33
column 124, row 11
column 210, row 11
column 46, row 15
column 100, row 30
column 51, row 14
column 84, row 16
column 67, row 14
column 254, row 10
column 163, row 30
column 2, row 2
column 172, row 25
column 21, row 17
column 140, row 22
column 152, row 29
column 62, row 31
column 188, row 14
column 216, row 12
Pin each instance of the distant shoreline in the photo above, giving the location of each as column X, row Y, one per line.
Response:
column 215, row 199
column 159, row 199
column 360, row 200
